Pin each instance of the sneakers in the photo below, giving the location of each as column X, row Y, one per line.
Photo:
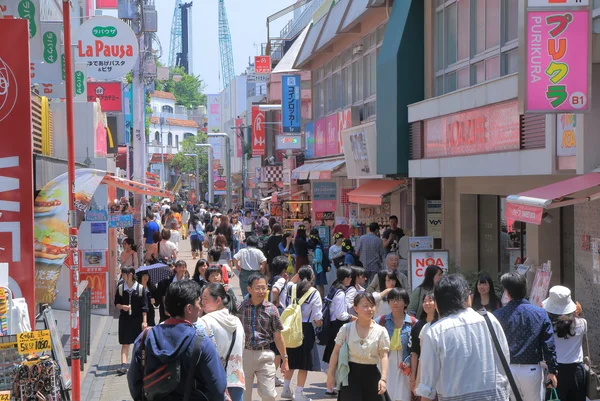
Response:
column 122, row 370
column 287, row 394
column 301, row 397
column 278, row 382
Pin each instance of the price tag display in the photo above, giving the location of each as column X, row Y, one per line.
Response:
column 4, row 395
column 34, row 341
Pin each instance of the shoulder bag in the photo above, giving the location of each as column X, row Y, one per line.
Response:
column 591, row 376
column 509, row 375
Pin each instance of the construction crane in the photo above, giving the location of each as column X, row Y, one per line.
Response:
column 179, row 49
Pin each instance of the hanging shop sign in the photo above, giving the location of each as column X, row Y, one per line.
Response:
column 108, row 46
column 524, row 213
column 421, row 260
column 109, row 94
column 325, row 216
column 420, row 243
column 120, row 220
column 262, row 64
column 558, row 62
column 309, row 137
column 288, row 142
column 320, row 139
column 482, row 130
column 569, row 127
column 29, row 10
column 360, row 151
column 258, row 132
column 49, row 66
column 324, row 196
column 16, row 163
column 290, row 103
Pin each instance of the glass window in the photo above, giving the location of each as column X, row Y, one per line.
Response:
column 329, row 94
column 337, row 84
column 492, row 68
column 479, row 72
column 450, row 82
column 492, row 23
column 463, row 77
column 177, row 141
column 479, row 12
column 451, row 46
column 511, row 20
column 511, row 62
column 439, row 41
column 463, row 29
column 157, row 137
column 170, row 139
column 357, row 79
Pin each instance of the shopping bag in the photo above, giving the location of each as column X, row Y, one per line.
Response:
column 553, row 395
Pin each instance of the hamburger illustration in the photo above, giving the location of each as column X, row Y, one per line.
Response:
column 51, row 239
column 47, row 201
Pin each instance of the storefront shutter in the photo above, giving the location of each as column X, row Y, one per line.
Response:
column 415, row 140
column 533, row 131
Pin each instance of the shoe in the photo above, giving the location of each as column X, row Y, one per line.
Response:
column 301, row 397
column 287, row 394
column 122, row 370
column 278, row 382
column 331, row 393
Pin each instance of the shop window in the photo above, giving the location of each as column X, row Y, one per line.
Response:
column 170, row 139
column 512, row 240
column 167, row 109
column 157, row 137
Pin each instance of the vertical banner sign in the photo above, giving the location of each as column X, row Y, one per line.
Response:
column 262, row 64
column 569, row 127
column 320, row 139
column 291, row 103
column 558, row 60
column 309, row 138
column 333, row 137
column 80, row 82
column 16, row 164
column 239, row 133
column 214, row 113
column 30, row 10
column 258, row 132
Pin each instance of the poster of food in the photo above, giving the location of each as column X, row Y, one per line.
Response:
column 51, row 230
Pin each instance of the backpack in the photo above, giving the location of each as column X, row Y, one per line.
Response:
column 270, row 285
column 262, row 244
column 140, row 289
column 323, row 332
column 291, row 318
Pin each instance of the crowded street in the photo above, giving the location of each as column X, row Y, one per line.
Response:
column 299, row 200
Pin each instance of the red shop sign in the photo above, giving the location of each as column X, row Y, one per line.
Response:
column 16, row 163
column 526, row 214
column 483, row 130
column 262, row 64
column 258, row 132
column 109, row 94
column 106, row 4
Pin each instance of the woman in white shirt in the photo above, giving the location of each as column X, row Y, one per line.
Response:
column 301, row 358
column 167, row 251
column 387, row 280
column 368, row 346
column 359, row 278
column 568, row 338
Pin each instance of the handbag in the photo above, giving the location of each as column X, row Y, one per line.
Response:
column 591, row 375
column 291, row 267
column 553, row 395
column 509, row 375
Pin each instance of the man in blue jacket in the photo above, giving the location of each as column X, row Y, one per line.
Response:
column 176, row 339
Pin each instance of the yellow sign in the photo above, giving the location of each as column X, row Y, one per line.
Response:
column 34, row 341
column 5, row 346
column 4, row 395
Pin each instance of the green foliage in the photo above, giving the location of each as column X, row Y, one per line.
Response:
column 187, row 91
column 187, row 164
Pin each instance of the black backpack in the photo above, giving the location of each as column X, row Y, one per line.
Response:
column 323, row 332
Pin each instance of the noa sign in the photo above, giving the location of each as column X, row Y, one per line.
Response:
column 421, row 260
column 108, row 46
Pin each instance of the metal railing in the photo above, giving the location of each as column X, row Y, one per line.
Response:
column 294, row 26
column 85, row 324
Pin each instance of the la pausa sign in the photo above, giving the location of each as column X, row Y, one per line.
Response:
column 108, row 46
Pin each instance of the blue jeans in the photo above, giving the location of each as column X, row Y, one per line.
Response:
column 244, row 275
column 235, row 245
column 236, row 393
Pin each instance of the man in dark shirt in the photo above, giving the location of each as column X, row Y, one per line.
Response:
column 392, row 235
column 272, row 246
column 530, row 337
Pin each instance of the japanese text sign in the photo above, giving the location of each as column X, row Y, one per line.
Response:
column 569, row 127
column 108, row 46
column 262, row 64
column 524, row 213
column 291, row 103
column 32, row 342
column 324, row 196
column 320, row 139
column 558, row 62
column 97, row 282
column 332, row 134
column 258, row 132
column 109, row 94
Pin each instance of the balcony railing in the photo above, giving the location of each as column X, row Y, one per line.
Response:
column 156, row 148
column 176, row 116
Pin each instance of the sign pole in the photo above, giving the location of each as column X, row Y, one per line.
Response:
column 73, row 260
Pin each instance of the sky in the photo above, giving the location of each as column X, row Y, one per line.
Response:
column 247, row 23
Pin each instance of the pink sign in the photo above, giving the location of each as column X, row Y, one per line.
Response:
column 320, row 139
column 324, row 205
column 526, row 214
column 557, row 61
column 333, row 140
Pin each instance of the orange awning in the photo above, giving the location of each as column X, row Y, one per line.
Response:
column 136, row 187
column 373, row 191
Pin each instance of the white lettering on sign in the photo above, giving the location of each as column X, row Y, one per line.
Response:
column 8, row 184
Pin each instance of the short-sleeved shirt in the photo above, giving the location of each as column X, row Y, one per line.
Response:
column 370, row 249
column 260, row 322
column 150, row 228
column 398, row 232
column 250, row 258
column 376, row 341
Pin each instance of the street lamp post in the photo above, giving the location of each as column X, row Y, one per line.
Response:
column 197, row 173
column 227, row 162
column 211, row 193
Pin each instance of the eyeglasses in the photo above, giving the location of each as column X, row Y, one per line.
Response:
column 394, row 301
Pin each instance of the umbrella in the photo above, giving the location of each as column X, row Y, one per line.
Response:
column 157, row 272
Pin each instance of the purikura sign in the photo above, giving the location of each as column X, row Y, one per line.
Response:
column 108, row 46
column 558, row 61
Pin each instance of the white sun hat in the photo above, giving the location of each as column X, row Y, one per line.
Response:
column 559, row 301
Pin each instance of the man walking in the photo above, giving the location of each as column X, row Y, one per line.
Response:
column 392, row 235
column 262, row 326
column 458, row 357
column 249, row 260
column 178, row 342
column 150, row 227
column 530, row 339
column 370, row 251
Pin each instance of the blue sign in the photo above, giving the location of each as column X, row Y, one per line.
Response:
column 120, row 220
column 98, row 228
column 128, row 111
column 309, row 139
column 96, row 215
column 291, row 103
column 324, row 191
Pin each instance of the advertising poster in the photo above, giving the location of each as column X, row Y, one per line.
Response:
column 595, row 245
column 324, row 235
column 258, row 132
column 541, row 284
column 569, row 127
column 420, row 243
column 94, row 261
column 324, row 196
column 16, row 163
column 420, row 260
column 51, row 234
column 333, row 137
column 290, row 85
column 97, row 282
column 558, row 62
column 214, row 114
column 320, row 139
column 262, row 64
column 309, row 139
column 120, row 220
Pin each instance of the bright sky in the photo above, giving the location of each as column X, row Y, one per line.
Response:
column 247, row 22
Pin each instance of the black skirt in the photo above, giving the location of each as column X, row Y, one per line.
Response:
column 363, row 382
column 302, row 357
column 336, row 325
column 130, row 327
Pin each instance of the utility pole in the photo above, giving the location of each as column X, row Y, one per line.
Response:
column 211, row 188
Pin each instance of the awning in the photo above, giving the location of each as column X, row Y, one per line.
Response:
column 136, row 187
column 317, row 170
column 286, row 64
column 373, row 191
column 157, row 158
column 528, row 207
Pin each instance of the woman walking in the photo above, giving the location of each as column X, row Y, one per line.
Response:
column 484, row 296
column 433, row 274
column 238, row 233
column 151, row 256
column 144, row 279
column 318, row 261
column 301, row 247
column 132, row 301
column 348, row 252
column 129, row 256
column 368, row 345
column 398, row 324
column 228, row 335
column 226, row 230
column 167, row 252
column 272, row 246
column 301, row 358
column 214, row 274
column 427, row 317
column 196, row 233
column 359, row 277
column 338, row 310
column 568, row 338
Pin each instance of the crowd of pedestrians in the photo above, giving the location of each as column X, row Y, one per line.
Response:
column 381, row 340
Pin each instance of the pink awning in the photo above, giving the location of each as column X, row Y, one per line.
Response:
column 372, row 192
column 529, row 206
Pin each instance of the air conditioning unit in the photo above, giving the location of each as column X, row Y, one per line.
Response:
column 358, row 49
